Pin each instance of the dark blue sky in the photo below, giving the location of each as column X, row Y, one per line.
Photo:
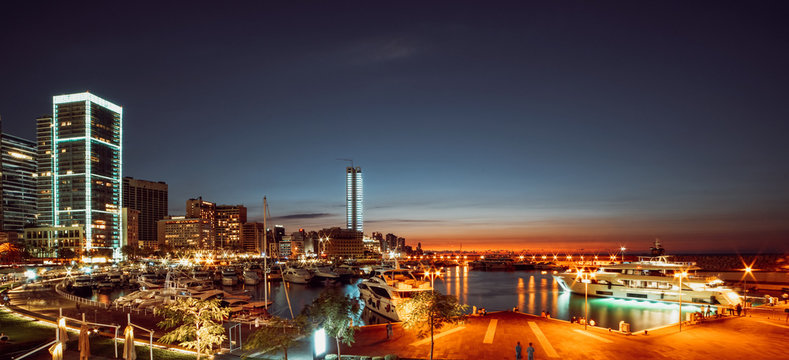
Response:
column 496, row 124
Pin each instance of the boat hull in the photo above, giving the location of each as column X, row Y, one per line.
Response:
column 711, row 297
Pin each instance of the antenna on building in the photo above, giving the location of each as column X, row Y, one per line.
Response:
column 351, row 160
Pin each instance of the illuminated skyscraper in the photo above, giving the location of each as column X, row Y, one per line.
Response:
column 86, row 169
column 229, row 221
column 150, row 198
column 353, row 198
column 44, row 175
column 18, row 168
column 200, row 209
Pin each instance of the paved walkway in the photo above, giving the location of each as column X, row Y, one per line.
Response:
column 744, row 337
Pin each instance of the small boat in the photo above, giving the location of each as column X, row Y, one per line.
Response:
column 106, row 284
column 324, row 272
column 274, row 274
column 229, row 277
column 82, row 282
column 297, row 276
column 251, row 277
column 116, row 278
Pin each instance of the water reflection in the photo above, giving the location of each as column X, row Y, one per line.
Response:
column 531, row 291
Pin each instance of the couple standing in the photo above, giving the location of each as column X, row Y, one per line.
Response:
column 529, row 351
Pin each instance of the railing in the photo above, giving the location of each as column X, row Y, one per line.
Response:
column 79, row 299
column 31, row 352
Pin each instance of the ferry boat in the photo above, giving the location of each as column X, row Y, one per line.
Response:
column 386, row 289
column 649, row 278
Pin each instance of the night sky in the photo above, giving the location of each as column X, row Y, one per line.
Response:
column 552, row 125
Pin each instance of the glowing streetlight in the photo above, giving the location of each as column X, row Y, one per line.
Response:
column 586, row 279
column 623, row 254
column 433, row 275
column 745, row 287
column 680, row 275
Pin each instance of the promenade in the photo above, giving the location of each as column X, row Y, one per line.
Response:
column 759, row 335
column 494, row 337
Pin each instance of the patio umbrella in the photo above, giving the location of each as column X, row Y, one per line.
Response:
column 63, row 335
column 57, row 351
column 128, row 344
column 84, row 342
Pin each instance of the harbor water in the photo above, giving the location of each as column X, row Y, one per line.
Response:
column 531, row 292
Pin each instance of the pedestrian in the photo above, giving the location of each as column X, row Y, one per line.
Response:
column 388, row 330
column 518, row 355
column 739, row 309
column 530, row 352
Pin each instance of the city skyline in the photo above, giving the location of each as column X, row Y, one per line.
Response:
column 516, row 127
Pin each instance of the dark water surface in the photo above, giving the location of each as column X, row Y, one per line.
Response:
column 530, row 291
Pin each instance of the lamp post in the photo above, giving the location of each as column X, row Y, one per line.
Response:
column 433, row 275
column 586, row 279
column 623, row 254
column 680, row 275
column 745, row 288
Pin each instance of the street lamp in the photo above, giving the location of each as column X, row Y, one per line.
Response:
column 586, row 279
column 433, row 275
column 623, row 254
column 745, row 287
column 680, row 275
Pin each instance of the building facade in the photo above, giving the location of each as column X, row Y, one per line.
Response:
column 229, row 219
column 86, row 169
column 18, row 168
column 178, row 232
column 344, row 243
column 131, row 227
column 354, row 196
column 44, row 128
column 252, row 237
column 55, row 242
column 200, row 209
column 150, row 199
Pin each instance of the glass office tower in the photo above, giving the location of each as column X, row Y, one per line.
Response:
column 44, row 174
column 353, row 198
column 18, row 182
column 86, row 169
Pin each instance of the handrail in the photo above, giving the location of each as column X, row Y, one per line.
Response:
column 79, row 299
column 42, row 347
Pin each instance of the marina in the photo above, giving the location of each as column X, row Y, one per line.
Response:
column 534, row 292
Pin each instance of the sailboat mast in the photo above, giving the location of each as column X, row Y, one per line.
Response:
column 265, row 256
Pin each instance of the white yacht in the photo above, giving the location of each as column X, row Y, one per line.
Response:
column 251, row 277
column 324, row 272
column 386, row 289
column 297, row 276
column 649, row 278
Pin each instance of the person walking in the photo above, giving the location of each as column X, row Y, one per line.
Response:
column 389, row 330
column 518, row 355
column 530, row 352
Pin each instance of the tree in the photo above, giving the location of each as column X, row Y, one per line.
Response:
column 277, row 334
column 427, row 311
column 66, row 253
column 336, row 313
column 130, row 252
column 197, row 323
